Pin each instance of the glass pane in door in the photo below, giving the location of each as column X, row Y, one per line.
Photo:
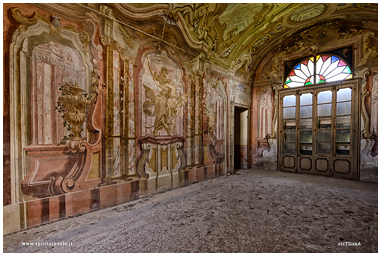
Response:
column 305, row 111
column 289, row 101
column 344, row 94
column 289, row 113
column 305, row 124
column 343, row 108
column 323, row 135
column 289, row 136
column 324, row 97
column 324, row 148
column 289, row 148
column 324, row 110
column 306, row 99
column 289, row 124
column 324, row 122
column 306, row 137
column 343, row 136
column 343, row 121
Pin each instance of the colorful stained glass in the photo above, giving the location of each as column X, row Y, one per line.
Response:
column 317, row 70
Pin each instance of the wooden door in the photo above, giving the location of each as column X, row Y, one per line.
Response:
column 319, row 130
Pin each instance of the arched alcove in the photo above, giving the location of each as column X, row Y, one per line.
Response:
column 25, row 52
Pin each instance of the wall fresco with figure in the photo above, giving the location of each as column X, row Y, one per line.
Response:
column 107, row 103
column 215, row 111
column 161, row 99
column 162, row 96
column 99, row 116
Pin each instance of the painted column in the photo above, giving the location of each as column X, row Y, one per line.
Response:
column 131, row 120
column 190, row 123
column 112, row 115
column 198, row 159
column 374, row 102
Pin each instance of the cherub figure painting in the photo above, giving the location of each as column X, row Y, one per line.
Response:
column 163, row 106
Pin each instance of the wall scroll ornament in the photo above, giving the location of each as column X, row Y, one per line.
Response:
column 165, row 105
column 276, row 88
column 55, row 25
column 368, row 52
column 124, row 54
column 74, row 105
column 242, row 62
column 364, row 113
column 196, row 15
column 93, row 93
column 26, row 22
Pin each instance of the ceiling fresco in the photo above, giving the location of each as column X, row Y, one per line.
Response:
column 238, row 17
column 227, row 32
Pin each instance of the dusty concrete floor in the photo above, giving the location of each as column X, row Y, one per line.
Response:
column 252, row 211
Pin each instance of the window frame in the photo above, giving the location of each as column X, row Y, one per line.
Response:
column 344, row 53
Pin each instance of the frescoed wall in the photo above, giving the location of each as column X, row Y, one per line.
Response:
column 106, row 103
column 269, row 81
column 99, row 116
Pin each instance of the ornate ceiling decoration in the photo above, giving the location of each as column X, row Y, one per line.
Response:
column 225, row 32
column 307, row 12
column 238, row 17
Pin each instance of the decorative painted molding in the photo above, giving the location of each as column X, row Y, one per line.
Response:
column 226, row 52
column 366, row 158
column 196, row 15
column 243, row 61
column 49, row 58
column 271, row 153
column 56, row 170
column 307, row 12
column 124, row 54
column 26, row 22
column 91, row 25
column 166, row 143
column 55, row 26
column 141, row 13
column 53, row 170
column 169, row 12
column 369, row 6
column 364, row 113
column 142, row 162
column 260, row 43
column 215, row 155
column 117, row 36
column 276, row 88
column 310, row 39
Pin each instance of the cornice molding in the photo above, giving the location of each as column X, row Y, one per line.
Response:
column 144, row 13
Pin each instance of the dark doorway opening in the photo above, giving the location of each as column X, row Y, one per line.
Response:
column 240, row 137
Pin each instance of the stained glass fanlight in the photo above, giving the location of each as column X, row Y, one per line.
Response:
column 319, row 69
